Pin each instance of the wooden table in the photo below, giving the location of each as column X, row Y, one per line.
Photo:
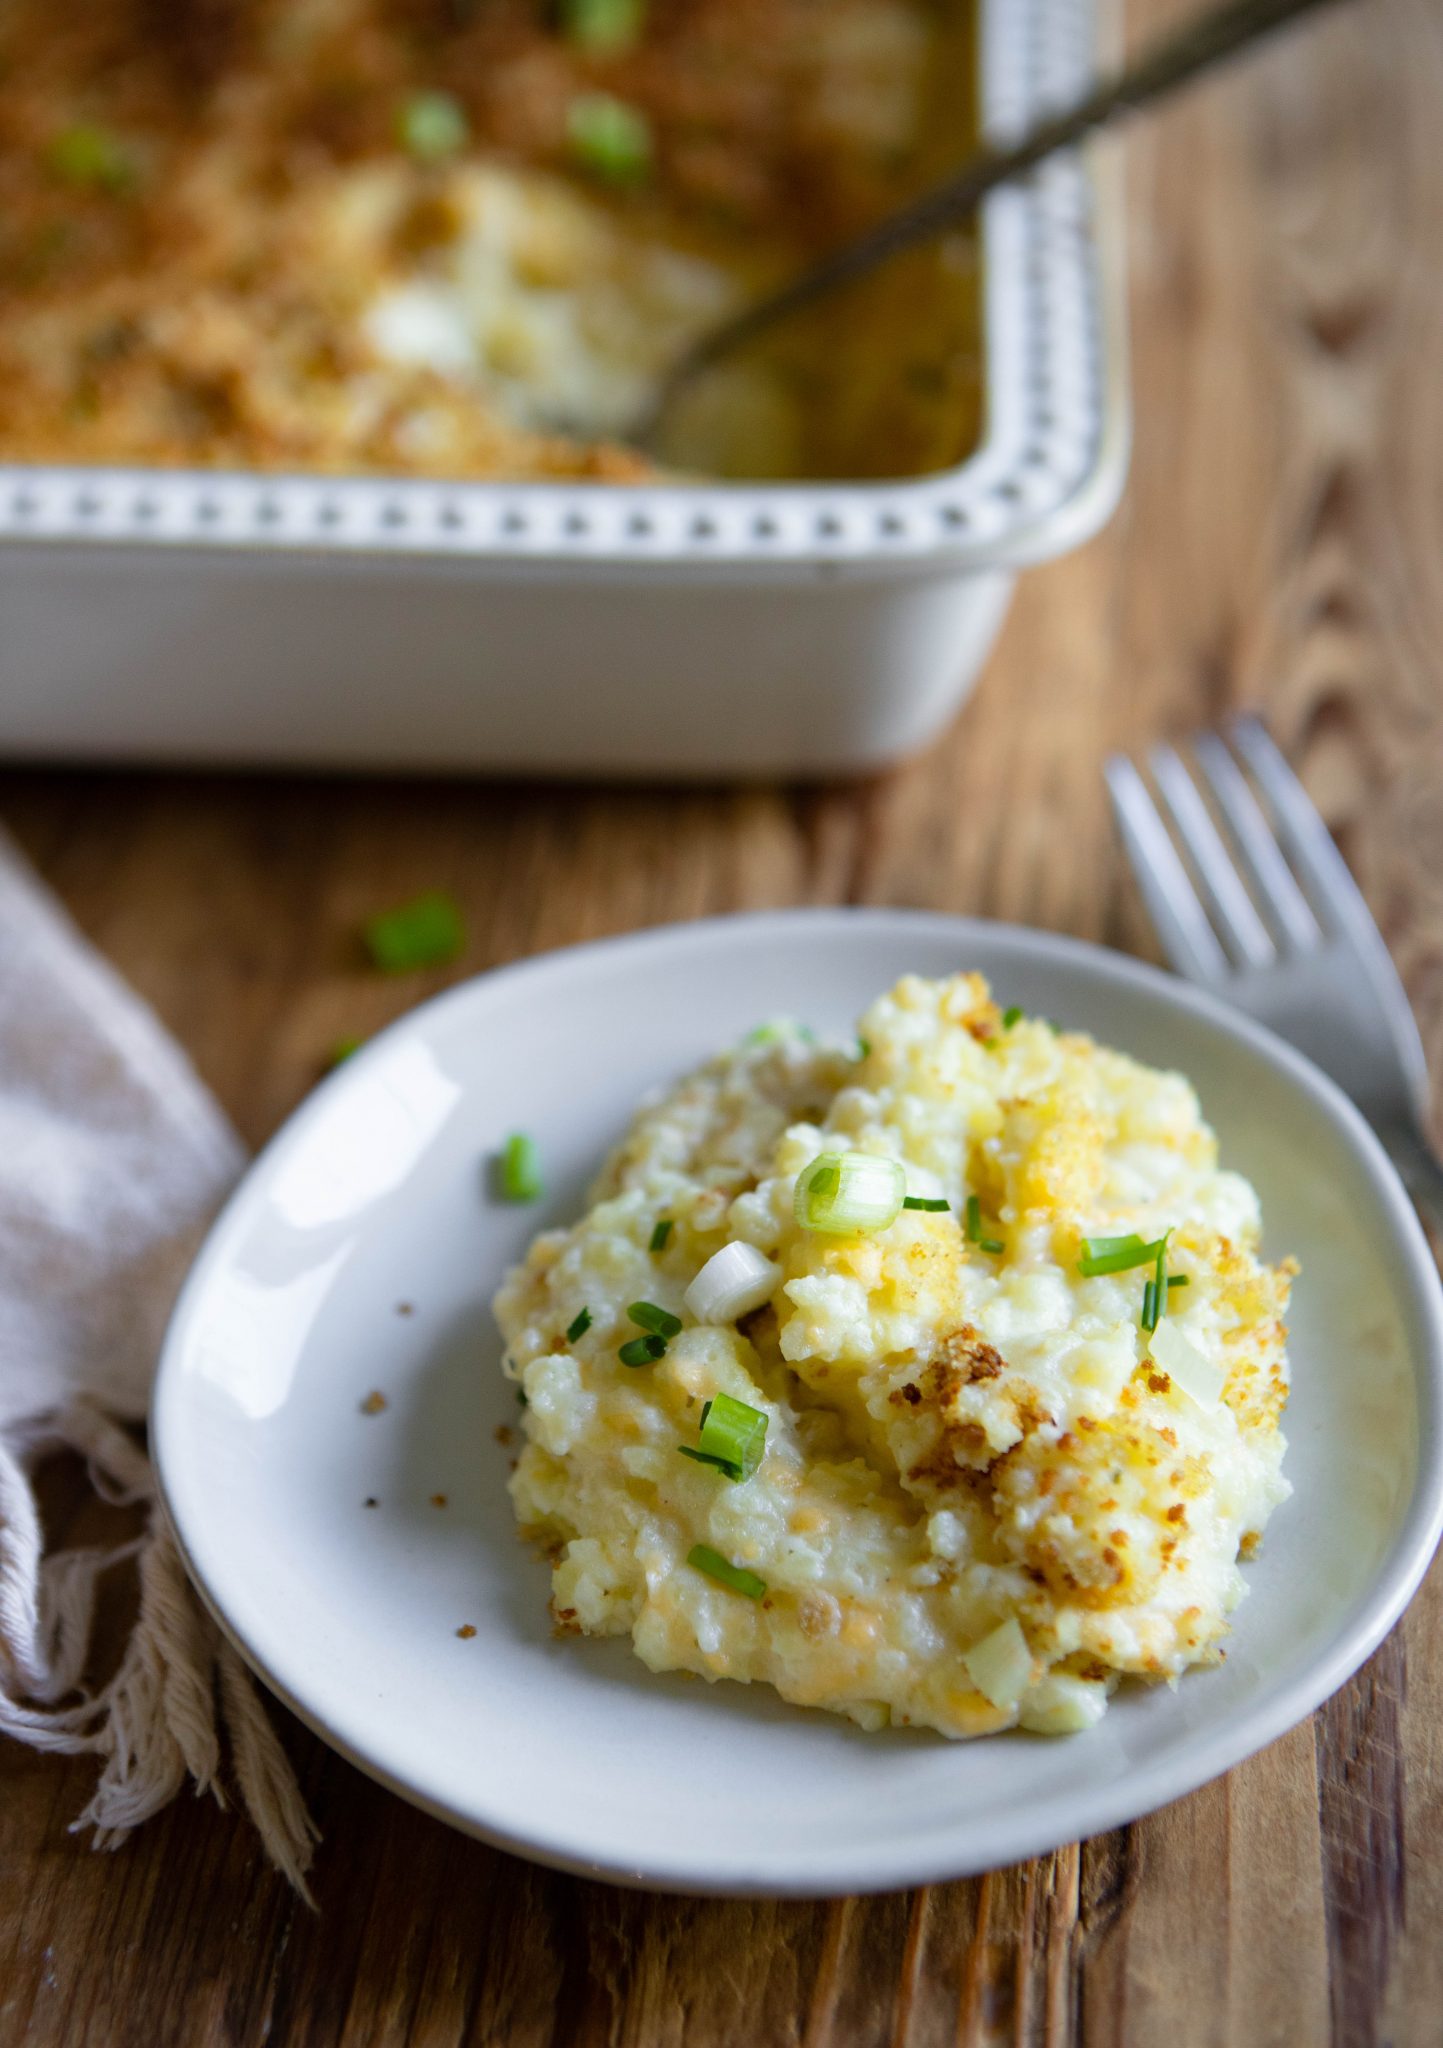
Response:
column 1281, row 543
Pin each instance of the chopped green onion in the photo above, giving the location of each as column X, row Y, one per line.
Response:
column 733, row 1437
column 733, row 1282
column 609, row 137
column 660, row 1234
column 579, row 1325
column 974, row 1228
column 1154, row 1295
column 342, row 1049
column 603, row 25
column 1011, row 1015
column 778, row 1029
column 924, row 1202
column 702, row 1558
column 92, row 158
column 1116, row 1254
column 1178, row 1280
column 709, row 1458
column 660, row 1321
column 864, row 1048
column 520, row 1169
column 432, row 126
column 642, row 1351
column 426, row 932
column 841, row 1192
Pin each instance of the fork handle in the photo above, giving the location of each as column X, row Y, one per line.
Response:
column 1421, row 1172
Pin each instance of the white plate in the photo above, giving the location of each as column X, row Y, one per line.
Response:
column 376, row 1193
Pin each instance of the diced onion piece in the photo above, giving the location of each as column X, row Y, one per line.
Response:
column 845, row 1191
column 1000, row 1666
column 1060, row 1704
column 732, row 1283
column 1185, row 1365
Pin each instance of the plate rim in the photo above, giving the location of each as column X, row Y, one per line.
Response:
column 1075, row 1813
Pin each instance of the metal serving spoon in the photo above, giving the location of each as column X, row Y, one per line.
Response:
column 1201, row 45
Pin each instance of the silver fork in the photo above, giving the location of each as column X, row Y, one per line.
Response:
column 1276, row 925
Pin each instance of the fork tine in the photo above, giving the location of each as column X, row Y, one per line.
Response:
column 1305, row 836
column 1262, row 856
column 1232, row 907
column 1178, row 917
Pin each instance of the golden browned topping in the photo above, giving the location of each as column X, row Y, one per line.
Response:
column 373, row 1404
column 200, row 201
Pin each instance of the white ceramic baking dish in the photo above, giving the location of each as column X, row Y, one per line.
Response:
column 706, row 630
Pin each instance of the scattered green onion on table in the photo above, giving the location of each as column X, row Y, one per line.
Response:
column 609, row 138
column 426, row 932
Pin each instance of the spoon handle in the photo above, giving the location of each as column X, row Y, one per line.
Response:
column 1202, row 44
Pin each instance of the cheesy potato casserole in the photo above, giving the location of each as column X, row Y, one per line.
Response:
column 462, row 237
column 935, row 1380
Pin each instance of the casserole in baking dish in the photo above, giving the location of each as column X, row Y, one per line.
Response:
column 411, row 236
column 469, row 590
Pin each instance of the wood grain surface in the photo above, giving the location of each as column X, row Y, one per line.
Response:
column 1281, row 543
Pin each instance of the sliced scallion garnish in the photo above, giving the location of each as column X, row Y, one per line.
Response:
column 579, row 1325
column 521, row 1169
column 1011, row 1015
column 426, row 932
column 702, row 1558
column 660, row 1234
column 975, row 1228
column 1178, row 1280
column 660, row 1321
column 925, row 1202
column 842, row 1192
column 1154, row 1295
column 642, row 1351
column 1116, row 1254
column 733, row 1437
column 700, row 1457
column 732, row 1283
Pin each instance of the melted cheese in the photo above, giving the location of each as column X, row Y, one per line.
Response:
column 964, row 1447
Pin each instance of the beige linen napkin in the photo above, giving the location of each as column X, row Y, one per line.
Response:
column 112, row 1160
